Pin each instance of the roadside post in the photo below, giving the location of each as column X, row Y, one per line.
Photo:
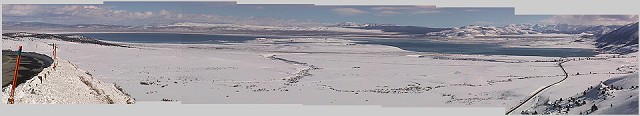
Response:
column 15, row 76
column 54, row 56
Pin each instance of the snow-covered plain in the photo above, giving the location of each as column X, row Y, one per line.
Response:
column 331, row 71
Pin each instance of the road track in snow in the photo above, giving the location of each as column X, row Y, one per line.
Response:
column 540, row 90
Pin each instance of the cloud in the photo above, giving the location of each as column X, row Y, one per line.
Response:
column 70, row 14
column 348, row 11
column 592, row 19
column 77, row 11
column 484, row 23
column 405, row 8
column 393, row 8
column 427, row 12
column 388, row 13
column 20, row 10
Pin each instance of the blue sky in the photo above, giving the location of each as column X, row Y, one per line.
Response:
column 141, row 13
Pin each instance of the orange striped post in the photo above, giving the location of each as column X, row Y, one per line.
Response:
column 15, row 76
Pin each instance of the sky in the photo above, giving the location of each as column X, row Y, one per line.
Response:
column 152, row 13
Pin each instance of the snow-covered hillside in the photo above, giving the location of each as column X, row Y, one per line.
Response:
column 473, row 31
column 617, row 95
column 353, row 24
column 623, row 40
column 522, row 29
column 64, row 84
column 574, row 29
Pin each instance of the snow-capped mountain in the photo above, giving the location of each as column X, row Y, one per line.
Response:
column 192, row 27
column 389, row 28
column 473, row 31
column 210, row 26
column 574, row 29
column 623, row 40
column 353, row 24
column 521, row 29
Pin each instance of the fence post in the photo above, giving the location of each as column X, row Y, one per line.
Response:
column 15, row 76
column 54, row 56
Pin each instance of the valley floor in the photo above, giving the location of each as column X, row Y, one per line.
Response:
column 321, row 71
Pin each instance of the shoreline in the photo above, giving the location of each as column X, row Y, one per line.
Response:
column 356, row 40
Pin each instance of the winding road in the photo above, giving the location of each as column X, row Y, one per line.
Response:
column 30, row 65
column 540, row 91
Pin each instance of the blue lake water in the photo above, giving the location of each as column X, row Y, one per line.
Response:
column 405, row 44
column 482, row 49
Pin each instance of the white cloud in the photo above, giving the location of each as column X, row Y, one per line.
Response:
column 393, row 8
column 484, row 23
column 348, row 11
column 426, row 12
column 20, row 10
column 77, row 11
column 388, row 13
column 592, row 19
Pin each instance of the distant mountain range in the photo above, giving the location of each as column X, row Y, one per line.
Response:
column 521, row 29
column 347, row 27
column 573, row 29
column 191, row 27
column 355, row 25
column 622, row 40
column 390, row 28
column 49, row 25
column 613, row 38
column 610, row 38
column 475, row 30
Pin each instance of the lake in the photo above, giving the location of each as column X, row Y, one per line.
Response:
column 410, row 45
column 482, row 49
